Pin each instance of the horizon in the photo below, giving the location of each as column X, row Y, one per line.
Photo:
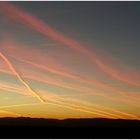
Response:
column 22, row 117
column 70, row 60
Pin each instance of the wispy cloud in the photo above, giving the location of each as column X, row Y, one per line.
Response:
column 36, row 60
column 46, row 30
column 11, row 67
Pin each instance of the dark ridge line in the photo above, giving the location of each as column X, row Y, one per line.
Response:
column 71, row 122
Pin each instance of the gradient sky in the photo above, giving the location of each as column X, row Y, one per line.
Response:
column 70, row 59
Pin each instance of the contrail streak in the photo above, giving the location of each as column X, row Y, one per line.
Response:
column 57, row 71
column 66, row 74
column 11, row 67
column 11, row 47
column 88, row 109
column 77, row 108
column 13, row 88
column 84, row 105
column 17, row 105
column 92, row 105
column 9, row 112
column 64, row 105
column 48, row 31
column 104, row 107
column 81, row 108
column 98, row 83
column 98, row 112
column 83, row 91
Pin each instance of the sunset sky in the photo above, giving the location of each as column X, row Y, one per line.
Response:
column 70, row 59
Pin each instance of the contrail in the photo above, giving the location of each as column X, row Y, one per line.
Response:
column 68, row 42
column 84, row 104
column 11, row 67
column 104, row 107
column 9, row 112
column 81, row 108
column 101, row 113
column 13, row 88
column 65, row 73
column 98, row 83
column 87, row 109
column 93, row 105
column 64, row 105
column 17, row 105
column 48, row 31
column 42, row 78
column 12, row 47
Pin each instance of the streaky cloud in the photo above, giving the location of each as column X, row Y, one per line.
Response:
column 11, row 67
column 46, row 30
column 10, row 46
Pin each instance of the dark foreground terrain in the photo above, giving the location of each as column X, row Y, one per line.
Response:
column 68, row 128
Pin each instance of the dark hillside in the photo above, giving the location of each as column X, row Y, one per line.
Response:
column 68, row 128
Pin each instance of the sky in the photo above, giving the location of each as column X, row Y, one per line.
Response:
column 70, row 59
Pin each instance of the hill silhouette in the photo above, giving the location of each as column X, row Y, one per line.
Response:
column 81, row 122
column 23, row 127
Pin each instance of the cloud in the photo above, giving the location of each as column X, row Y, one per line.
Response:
column 12, row 68
column 126, row 76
